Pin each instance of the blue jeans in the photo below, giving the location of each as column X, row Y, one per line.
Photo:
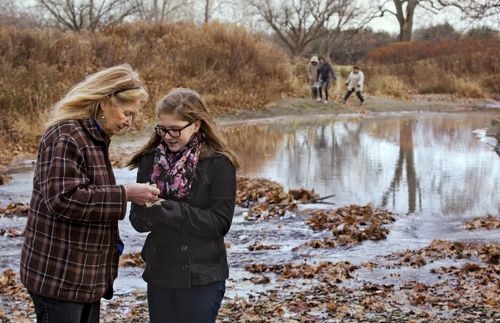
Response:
column 49, row 310
column 185, row 305
column 324, row 84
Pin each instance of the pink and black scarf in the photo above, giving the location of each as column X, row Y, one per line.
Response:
column 174, row 172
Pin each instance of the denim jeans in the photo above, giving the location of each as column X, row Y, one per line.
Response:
column 185, row 305
column 324, row 84
column 49, row 310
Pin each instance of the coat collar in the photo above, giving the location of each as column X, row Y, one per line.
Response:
column 93, row 128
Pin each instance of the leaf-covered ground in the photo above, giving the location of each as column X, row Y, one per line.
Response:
column 465, row 284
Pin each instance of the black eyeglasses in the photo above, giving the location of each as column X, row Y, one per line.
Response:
column 174, row 133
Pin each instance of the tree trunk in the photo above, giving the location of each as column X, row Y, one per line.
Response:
column 405, row 18
column 207, row 11
column 406, row 31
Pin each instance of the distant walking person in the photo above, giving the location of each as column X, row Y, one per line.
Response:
column 354, row 82
column 325, row 71
column 312, row 76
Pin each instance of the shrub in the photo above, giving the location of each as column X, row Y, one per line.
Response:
column 231, row 67
column 465, row 67
column 388, row 85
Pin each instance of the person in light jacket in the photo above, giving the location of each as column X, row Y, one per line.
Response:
column 185, row 254
column 69, row 258
column 354, row 83
column 312, row 76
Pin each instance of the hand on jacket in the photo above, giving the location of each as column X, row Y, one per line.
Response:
column 146, row 219
column 170, row 213
column 171, row 208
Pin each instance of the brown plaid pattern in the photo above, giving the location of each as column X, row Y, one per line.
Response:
column 71, row 235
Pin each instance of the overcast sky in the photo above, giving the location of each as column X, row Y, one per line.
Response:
column 387, row 23
column 425, row 18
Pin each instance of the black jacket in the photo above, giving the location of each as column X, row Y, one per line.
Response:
column 324, row 72
column 188, row 249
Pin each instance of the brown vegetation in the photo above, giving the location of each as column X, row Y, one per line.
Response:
column 228, row 65
column 465, row 67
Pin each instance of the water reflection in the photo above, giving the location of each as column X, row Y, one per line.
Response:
column 413, row 163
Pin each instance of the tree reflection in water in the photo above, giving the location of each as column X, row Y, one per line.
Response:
column 411, row 163
column 406, row 157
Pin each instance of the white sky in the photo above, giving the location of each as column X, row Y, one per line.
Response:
column 387, row 23
column 425, row 18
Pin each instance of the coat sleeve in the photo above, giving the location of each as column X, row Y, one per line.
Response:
column 361, row 80
column 142, row 218
column 216, row 220
column 69, row 193
column 334, row 76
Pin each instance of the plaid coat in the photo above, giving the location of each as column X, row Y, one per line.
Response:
column 70, row 248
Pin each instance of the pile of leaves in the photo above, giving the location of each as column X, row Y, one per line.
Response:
column 488, row 253
column 266, row 198
column 326, row 271
column 466, row 280
column 257, row 246
column 4, row 179
column 350, row 225
column 13, row 209
column 490, row 222
column 132, row 260
column 11, row 233
column 322, row 303
column 13, row 293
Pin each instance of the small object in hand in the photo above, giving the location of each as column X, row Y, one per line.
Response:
column 157, row 202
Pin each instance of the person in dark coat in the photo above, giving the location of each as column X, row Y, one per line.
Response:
column 69, row 258
column 185, row 254
column 325, row 72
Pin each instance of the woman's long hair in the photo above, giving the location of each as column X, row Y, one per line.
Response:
column 188, row 105
column 121, row 84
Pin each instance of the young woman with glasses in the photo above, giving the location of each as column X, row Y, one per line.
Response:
column 195, row 171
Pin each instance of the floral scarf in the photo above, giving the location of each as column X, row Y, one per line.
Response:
column 174, row 172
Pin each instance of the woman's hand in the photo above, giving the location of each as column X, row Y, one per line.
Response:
column 140, row 193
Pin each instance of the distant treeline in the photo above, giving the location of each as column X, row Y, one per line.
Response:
column 353, row 45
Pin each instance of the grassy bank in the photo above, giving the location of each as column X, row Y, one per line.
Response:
column 228, row 65
column 464, row 67
column 235, row 71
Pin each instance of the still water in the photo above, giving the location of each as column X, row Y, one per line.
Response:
column 435, row 170
column 432, row 163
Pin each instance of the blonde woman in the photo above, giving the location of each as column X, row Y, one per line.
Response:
column 185, row 255
column 70, row 254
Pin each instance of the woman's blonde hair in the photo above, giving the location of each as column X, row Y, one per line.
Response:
column 120, row 84
column 188, row 105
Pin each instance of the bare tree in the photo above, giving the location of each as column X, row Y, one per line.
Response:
column 159, row 10
column 12, row 13
column 211, row 7
column 404, row 10
column 475, row 9
column 89, row 14
column 299, row 22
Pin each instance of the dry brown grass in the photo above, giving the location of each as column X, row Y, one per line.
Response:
column 229, row 66
column 464, row 67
